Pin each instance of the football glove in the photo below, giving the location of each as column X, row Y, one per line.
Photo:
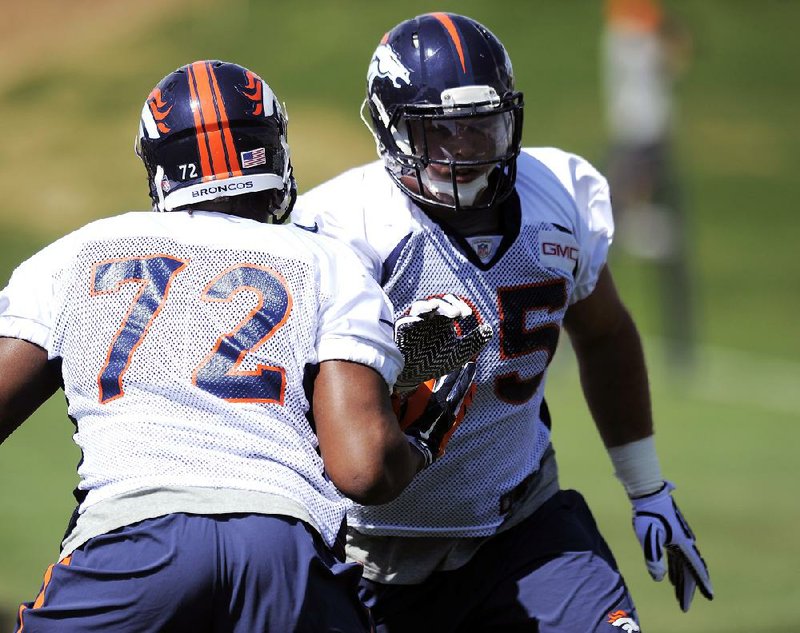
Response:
column 660, row 526
column 431, row 413
column 428, row 339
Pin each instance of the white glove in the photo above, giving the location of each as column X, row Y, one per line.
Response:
column 429, row 341
column 659, row 525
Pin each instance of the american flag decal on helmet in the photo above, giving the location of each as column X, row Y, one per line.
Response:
column 254, row 157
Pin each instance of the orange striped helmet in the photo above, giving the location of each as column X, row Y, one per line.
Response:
column 445, row 113
column 212, row 130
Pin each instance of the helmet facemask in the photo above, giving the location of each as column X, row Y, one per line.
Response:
column 444, row 112
column 458, row 155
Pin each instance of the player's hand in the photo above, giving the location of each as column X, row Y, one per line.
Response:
column 429, row 341
column 661, row 528
column 430, row 414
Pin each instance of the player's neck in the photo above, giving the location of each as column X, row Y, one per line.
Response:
column 469, row 223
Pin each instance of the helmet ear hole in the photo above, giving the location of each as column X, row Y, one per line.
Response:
column 213, row 130
column 464, row 79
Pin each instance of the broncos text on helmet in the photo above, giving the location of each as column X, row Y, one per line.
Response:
column 212, row 130
column 445, row 114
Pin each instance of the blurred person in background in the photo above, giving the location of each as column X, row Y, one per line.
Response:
column 644, row 50
column 486, row 540
column 193, row 346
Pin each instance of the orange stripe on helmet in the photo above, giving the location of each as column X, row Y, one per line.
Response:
column 199, row 127
column 451, row 29
column 225, row 126
column 214, row 125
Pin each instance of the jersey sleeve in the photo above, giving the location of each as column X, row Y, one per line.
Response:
column 594, row 204
column 28, row 304
column 356, row 320
column 595, row 223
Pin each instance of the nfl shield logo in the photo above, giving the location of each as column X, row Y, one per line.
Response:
column 483, row 249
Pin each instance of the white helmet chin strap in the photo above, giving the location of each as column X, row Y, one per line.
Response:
column 157, row 178
column 467, row 191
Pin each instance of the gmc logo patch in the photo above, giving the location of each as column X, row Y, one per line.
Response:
column 560, row 250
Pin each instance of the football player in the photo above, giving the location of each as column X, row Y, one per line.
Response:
column 229, row 381
column 486, row 540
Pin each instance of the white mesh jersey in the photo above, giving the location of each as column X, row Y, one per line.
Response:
column 184, row 341
column 560, row 227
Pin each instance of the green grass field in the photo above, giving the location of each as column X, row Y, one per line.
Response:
column 71, row 88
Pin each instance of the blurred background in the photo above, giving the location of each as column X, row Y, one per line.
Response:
column 722, row 340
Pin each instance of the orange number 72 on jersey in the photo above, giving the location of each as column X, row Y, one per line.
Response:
column 219, row 373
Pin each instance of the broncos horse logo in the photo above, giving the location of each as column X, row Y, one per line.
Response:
column 623, row 621
column 385, row 63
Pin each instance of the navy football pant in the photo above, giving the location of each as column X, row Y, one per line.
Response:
column 553, row 573
column 242, row 573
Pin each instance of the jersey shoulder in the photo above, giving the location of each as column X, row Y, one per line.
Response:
column 567, row 183
column 348, row 192
column 61, row 252
column 574, row 195
column 360, row 196
column 574, row 173
column 362, row 207
column 324, row 249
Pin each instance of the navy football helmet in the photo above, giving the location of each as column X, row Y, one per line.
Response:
column 446, row 117
column 212, row 130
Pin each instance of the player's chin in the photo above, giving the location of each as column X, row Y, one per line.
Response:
column 439, row 196
column 465, row 176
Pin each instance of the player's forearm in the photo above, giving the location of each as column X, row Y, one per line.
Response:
column 400, row 465
column 378, row 471
column 614, row 379
column 26, row 382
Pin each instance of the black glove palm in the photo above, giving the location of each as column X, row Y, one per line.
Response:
column 430, row 414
